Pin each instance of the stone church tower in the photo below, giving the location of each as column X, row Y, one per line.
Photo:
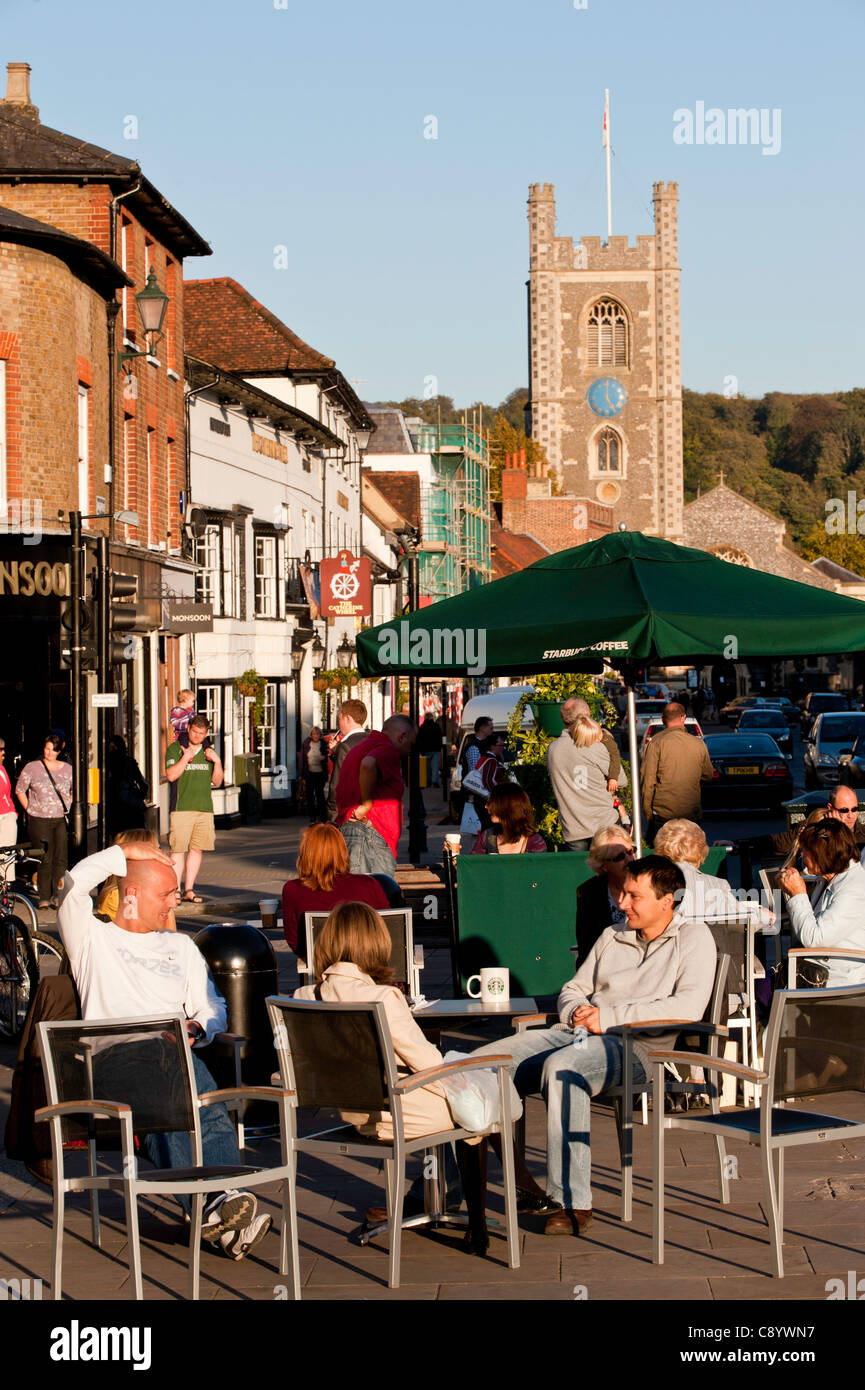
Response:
column 605, row 363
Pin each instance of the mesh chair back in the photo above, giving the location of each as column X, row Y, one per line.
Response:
column 815, row 1041
column 337, row 1056
column 398, row 922
column 732, row 938
column 143, row 1063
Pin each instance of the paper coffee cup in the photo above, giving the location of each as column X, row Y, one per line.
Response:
column 268, row 907
column 453, row 843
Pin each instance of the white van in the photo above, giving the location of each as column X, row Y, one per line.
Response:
column 498, row 706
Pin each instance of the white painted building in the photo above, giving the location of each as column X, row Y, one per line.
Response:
column 275, row 433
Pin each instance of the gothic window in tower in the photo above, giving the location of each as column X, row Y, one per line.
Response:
column 608, row 335
column 609, row 452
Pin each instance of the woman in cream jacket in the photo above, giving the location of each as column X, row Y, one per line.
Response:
column 351, row 967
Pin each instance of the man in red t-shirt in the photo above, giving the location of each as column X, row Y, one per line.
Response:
column 369, row 796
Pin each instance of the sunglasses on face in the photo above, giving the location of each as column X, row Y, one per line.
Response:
column 620, row 857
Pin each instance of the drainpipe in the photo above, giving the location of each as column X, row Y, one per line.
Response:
column 112, row 310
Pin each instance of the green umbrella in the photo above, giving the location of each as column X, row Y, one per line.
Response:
column 629, row 598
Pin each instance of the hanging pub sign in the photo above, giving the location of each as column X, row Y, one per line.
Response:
column 346, row 587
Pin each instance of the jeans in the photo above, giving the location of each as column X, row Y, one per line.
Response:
column 368, row 853
column 568, row 1069
column 577, row 844
column 433, row 766
column 218, row 1137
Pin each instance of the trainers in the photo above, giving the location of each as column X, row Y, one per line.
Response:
column 238, row 1244
column 227, row 1212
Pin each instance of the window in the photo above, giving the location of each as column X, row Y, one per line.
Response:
column 608, row 335
column 151, row 486
column 268, row 732
column 229, row 608
column 173, row 498
column 130, row 499
column 126, row 262
column 209, row 703
column 265, row 576
column 207, row 581
column 609, row 452
column 83, row 448
column 239, row 593
column 169, row 326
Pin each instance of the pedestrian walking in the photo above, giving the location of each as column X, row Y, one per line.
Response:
column 429, row 745
column 488, row 773
column 370, row 794
column 193, row 772
column 351, row 720
column 8, row 814
column 674, row 765
column 312, row 766
column 126, row 790
column 44, row 789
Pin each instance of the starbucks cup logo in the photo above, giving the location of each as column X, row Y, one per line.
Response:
column 496, row 985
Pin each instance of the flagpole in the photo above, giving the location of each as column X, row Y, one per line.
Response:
column 607, row 148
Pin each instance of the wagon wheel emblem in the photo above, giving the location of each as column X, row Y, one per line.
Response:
column 344, row 585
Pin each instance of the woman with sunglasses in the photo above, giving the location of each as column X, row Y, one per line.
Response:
column 599, row 900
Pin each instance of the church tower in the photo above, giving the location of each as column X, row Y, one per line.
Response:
column 605, row 363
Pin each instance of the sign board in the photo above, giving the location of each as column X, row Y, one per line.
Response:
column 346, row 587
column 185, row 615
column 107, row 700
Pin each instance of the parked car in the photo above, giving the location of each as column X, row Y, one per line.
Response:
column 767, row 719
column 822, row 702
column 656, row 723
column 750, row 770
column 791, row 713
column 831, row 735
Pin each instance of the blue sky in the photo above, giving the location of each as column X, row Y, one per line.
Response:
column 303, row 127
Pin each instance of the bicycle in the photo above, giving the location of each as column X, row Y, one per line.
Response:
column 24, row 949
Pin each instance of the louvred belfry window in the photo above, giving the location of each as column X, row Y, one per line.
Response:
column 608, row 335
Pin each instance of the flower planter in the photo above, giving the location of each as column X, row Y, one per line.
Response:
column 548, row 715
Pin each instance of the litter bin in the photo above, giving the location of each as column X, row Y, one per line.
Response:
column 247, row 777
column 244, row 969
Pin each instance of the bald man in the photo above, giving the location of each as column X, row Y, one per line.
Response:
column 137, row 967
column 369, row 796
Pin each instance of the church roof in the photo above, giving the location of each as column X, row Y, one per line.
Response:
column 833, row 570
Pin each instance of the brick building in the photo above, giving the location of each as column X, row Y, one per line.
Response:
column 83, row 436
column 558, row 523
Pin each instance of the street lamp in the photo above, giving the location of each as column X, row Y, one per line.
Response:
column 296, row 661
column 345, row 652
column 318, row 653
column 410, row 540
column 152, row 303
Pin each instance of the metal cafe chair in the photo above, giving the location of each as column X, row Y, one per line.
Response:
column 403, row 960
column 814, row 1044
column 107, row 1080
column 625, row 1094
column 340, row 1057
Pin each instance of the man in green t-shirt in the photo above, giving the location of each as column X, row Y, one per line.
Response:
column 195, row 771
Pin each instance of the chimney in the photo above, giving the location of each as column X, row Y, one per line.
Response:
column 18, row 90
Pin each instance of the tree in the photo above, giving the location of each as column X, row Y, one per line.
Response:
column 844, row 549
column 505, row 439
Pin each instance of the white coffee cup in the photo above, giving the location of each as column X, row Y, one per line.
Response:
column 453, row 843
column 494, row 986
column 268, row 907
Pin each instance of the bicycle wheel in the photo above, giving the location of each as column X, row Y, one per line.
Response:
column 46, row 951
column 16, row 977
column 21, row 905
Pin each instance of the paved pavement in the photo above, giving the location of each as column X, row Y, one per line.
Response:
column 713, row 1253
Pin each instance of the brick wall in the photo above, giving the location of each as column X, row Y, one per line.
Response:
column 557, row 522
column 147, row 395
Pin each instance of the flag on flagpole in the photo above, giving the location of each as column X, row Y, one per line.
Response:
column 606, row 118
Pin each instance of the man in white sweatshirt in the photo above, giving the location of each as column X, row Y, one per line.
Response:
column 137, row 966
column 658, row 967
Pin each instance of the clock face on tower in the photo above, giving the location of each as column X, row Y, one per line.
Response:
column 606, row 396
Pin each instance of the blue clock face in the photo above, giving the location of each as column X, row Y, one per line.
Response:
column 606, row 396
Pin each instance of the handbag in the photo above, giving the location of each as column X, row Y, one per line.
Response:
column 474, row 782
column 473, row 1098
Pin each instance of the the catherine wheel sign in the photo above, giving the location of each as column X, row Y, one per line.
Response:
column 346, row 587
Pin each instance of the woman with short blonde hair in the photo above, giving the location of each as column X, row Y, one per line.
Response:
column 682, row 841
column 585, row 731
column 705, row 895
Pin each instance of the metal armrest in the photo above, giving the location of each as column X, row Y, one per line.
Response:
column 232, row 1038
column 525, row 1021
column 424, row 1078
column 816, row 953
column 273, row 1093
column 701, row 1059
column 99, row 1109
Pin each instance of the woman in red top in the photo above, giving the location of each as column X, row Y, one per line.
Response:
column 323, row 880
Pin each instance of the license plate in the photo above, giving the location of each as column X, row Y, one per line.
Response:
column 743, row 771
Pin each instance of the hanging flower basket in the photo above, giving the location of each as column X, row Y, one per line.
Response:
column 251, row 686
column 320, row 684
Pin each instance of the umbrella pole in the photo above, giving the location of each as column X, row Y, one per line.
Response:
column 635, row 772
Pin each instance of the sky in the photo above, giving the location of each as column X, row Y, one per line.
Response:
column 297, row 139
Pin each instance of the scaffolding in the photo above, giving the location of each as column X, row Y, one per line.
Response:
column 455, row 506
